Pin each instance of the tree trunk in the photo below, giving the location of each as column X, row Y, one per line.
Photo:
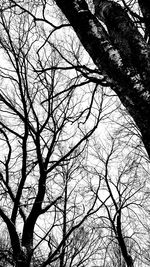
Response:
column 133, row 88
column 127, row 257
column 22, row 263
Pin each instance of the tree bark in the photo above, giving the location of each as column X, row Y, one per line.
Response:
column 145, row 8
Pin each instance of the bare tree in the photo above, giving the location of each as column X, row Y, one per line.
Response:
column 52, row 99
column 120, row 51
column 121, row 171
column 45, row 126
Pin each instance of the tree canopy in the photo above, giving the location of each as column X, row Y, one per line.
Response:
column 74, row 133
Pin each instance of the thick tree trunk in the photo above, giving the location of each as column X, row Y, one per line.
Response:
column 133, row 88
column 22, row 263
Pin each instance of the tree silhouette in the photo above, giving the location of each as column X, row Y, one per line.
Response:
column 60, row 205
